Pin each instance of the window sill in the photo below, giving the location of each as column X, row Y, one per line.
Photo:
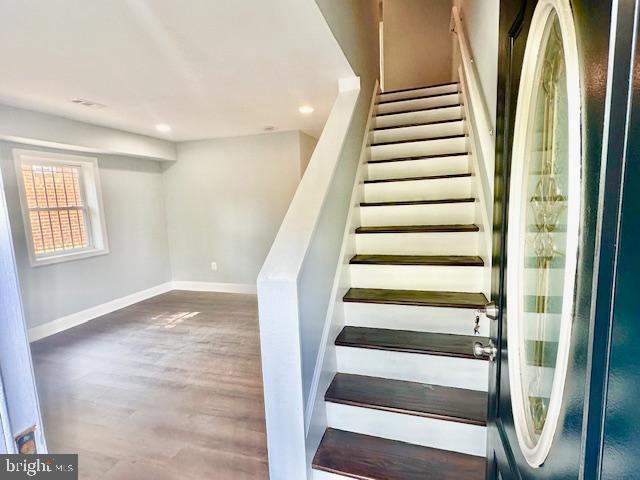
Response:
column 68, row 257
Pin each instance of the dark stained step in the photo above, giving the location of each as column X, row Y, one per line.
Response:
column 410, row 398
column 418, row 110
column 422, row 157
column 417, row 202
column 419, row 229
column 453, row 120
column 419, row 88
column 419, row 298
column 412, row 179
column 433, row 95
column 372, row 458
column 421, row 260
column 415, row 140
column 441, row 344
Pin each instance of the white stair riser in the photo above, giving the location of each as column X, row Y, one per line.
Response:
column 412, row 367
column 427, row 432
column 434, row 214
column 411, row 277
column 418, row 168
column 445, row 243
column 420, row 92
column 426, row 116
column 432, row 189
column 418, row 104
column 422, row 131
column 455, row 321
column 443, row 146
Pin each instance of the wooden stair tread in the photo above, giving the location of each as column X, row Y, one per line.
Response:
column 419, row 88
column 414, row 179
column 431, row 260
column 423, row 97
column 416, row 297
column 372, row 458
column 420, row 157
column 411, row 398
column 418, row 229
column 418, row 202
column 416, row 140
column 422, row 124
column 416, row 110
column 441, row 344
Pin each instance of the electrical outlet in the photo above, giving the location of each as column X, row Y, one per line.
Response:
column 214, row 266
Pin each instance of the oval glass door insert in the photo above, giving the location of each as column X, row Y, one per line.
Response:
column 543, row 228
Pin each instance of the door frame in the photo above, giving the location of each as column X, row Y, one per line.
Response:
column 614, row 159
column 19, row 403
column 604, row 134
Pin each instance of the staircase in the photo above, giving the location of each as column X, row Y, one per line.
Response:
column 409, row 400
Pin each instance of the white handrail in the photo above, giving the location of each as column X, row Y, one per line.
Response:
column 481, row 135
column 481, row 118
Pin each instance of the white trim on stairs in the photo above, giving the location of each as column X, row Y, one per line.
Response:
column 342, row 275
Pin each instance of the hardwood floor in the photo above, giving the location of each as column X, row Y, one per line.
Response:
column 167, row 389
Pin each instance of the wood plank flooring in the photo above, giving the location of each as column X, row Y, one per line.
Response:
column 167, row 389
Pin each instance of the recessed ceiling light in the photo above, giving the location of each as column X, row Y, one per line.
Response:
column 306, row 109
column 163, row 127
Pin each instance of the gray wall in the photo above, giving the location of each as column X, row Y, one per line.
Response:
column 354, row 24
column 139, row 255
column 481, row 22
column 307, row 146
column 225, row 200
column 417, row 43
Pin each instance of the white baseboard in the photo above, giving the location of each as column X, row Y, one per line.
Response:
column 74, row 319
column 83, row 316
column 214, row 287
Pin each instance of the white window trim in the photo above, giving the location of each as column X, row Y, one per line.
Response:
column 92, row 191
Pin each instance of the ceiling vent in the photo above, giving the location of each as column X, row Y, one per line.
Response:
column 87, row 103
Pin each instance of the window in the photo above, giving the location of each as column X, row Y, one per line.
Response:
column 61, row 205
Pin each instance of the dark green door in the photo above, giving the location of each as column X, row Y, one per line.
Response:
column 553, row 72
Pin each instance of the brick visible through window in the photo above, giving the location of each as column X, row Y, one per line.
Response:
column 57, row 207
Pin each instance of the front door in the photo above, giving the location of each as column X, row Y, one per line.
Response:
column 552, row 89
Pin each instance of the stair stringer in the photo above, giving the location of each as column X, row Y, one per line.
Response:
column 326, row 360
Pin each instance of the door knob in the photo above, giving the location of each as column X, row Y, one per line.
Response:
column 490, row 310
column 480, row 350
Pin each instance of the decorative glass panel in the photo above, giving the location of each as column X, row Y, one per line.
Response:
column 545, row 240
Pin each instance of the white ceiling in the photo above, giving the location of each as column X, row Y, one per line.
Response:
column 208, row 68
